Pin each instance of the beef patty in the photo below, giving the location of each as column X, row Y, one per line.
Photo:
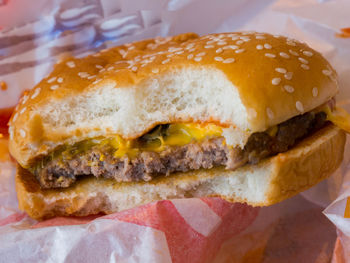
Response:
column 58, row 172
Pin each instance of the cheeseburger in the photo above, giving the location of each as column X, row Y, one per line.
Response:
column 249, row 117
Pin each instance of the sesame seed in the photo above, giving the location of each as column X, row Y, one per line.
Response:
column 234, row 38
column 270, row 113
column 191, row 50
column 60, row 80
column 197, row 59
column 230, row 46
column 165, row 61
column 134, row 68
column 276, row 81
column 151, row 46
column 109, row 68
column 288, row 88
column 11, row 132
column 209, row 46
column 96, row 81
column 51, row 80
column 326, row 72
column 219, row 50
column 210, row 42
column 303, row 60
column 260, row 37
column 239, row 42
column 229, row 60
column 155, row 70
column 221, row 43
column 259, row 47
column 304, row 66
column 36, row 93
column 291, row 43
column 284, row 55
column 244, row 38
column 54, row 87
column 70, row 64
column 281, row 70
column 25, row 98
column 288, row 75
column 170, row 55
column 98, row 66
column 201, row 54
column 179, row 52
column 120, row 62
column 190, row 56
column 174, row 49
column 270, row 55
column 15, row 116
column 22, row 133
column 123, row 53
column 189, row 46
column 22, row 110
column 231, row 35
column 293, row 52
column 307, row 53
column 267, row 46
column 239, row 50
column 218, row 58
column 299, row 106
column 252, row 112
column 84, row 74
column 315, row 92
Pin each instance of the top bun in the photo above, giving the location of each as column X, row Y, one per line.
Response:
column 246, row 81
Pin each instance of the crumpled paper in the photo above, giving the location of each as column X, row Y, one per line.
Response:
column 35, row 36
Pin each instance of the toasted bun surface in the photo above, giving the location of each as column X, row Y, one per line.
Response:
column 266, row 183
column 249, row 81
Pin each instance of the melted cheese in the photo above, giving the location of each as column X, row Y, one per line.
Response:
column 339, row 117
column 178, row 134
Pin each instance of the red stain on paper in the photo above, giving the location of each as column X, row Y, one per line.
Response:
column 338, row 252
column 185, row 243
column 5, row 115
column 66, row 221
column 344, row 33
column 14, row 218
column 3, row 2
column 3, row 85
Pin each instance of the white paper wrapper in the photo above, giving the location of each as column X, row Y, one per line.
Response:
column 35, row 36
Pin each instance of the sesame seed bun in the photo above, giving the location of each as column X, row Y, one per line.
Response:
column 248, row 81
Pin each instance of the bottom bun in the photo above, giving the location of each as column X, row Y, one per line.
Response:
column 270, row 181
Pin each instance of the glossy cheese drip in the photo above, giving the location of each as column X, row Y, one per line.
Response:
column 178, row 134
column 339, row 117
